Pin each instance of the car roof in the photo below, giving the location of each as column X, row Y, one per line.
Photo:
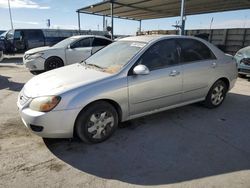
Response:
column 151, row 38
column 86, row 36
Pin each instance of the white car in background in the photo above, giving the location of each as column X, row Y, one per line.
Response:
column 71, row 50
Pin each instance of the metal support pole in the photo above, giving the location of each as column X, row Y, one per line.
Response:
column 79, row 22
column 103, row 24
column 139, row 25
column 112, row 19
column 11, row 22
column 182, row 17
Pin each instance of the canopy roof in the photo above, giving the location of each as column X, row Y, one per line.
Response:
column 152, row 9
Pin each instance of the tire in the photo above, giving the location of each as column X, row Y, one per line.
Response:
column 97, row 122
column 53, row 63
column 241, row 75
column 36, row 72
column 216, row 94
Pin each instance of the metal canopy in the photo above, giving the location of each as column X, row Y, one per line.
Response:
column 152, row 9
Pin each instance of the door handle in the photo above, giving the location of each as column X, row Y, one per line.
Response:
column 174, row 73
column 214, row 65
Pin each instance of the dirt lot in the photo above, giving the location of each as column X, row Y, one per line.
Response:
column 185, row 147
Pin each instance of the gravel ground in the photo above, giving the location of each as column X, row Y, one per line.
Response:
column 189, row 146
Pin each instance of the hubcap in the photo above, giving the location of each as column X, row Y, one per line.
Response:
column 53, row 65
column 100, row 124
column 217, row 95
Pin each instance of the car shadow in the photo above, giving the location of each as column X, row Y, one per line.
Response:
column 173, row 146
column 5, row 83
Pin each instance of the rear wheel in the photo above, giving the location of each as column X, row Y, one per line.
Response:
column 97, row 122
column 53, row 63
column 216, row 94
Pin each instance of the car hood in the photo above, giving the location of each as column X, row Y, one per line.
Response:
column 61, row 80
column 36, row 50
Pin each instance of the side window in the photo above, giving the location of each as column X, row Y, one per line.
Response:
column 17, row 35
column 101, row 42
column 34, row 34
column 82, row 43
column 193, row 50
column 160, row 55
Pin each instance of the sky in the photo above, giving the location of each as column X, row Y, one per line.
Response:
column 62, row 13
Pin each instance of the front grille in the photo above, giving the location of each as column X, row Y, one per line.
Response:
column 245, row 61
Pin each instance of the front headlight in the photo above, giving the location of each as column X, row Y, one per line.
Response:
column 44, row 104
column 34, row 56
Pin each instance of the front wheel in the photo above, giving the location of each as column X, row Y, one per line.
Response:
column 216, row 94
column 97, row 122
column 36, row 72
column 241, row 75
column 53, row 63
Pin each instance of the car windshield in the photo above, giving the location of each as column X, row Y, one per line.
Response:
column 3, row 34
column 64, row 43
column 113, row 57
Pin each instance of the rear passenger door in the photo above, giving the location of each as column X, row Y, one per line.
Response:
column 79, row 51
column 34, row 38
column 198, row 63
column 99, row 43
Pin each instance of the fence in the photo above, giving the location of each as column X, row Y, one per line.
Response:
column 228, row 40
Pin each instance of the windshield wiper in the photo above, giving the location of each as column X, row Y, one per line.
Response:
column 94, row 65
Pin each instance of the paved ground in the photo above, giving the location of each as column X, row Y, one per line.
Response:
column 186, row 147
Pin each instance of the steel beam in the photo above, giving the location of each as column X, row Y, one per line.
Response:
column 182, row 17
column 112, row 19
column 79, row 22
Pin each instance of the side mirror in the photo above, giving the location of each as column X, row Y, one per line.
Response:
column 69, row 46
column 141, row 70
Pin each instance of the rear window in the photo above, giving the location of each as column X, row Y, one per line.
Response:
column 101, row 42
column 194, row 50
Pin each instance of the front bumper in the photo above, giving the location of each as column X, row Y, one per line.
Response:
column 34, row 64
column 53, row 124
column 244, row 69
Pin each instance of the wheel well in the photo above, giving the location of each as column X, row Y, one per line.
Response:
column 113, row 103
column 226, row 81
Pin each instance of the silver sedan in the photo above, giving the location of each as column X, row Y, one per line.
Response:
column 130, row 78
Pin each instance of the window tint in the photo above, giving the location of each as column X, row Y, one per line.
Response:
column 34, row 34
column 82, row 43
column 193, row 50
column 160, row 55
column 101, row 42
column 17, row 35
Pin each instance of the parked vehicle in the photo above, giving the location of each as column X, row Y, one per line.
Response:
column 130, row 78
column 21, row 40
column 71, row 50
column 243, row 61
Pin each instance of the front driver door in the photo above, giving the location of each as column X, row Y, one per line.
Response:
column 79, row 51
column 162, row 87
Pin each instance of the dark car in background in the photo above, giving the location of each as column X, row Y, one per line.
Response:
column 21, row 40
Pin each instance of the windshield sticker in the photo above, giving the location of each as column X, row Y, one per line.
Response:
column 137, row 44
